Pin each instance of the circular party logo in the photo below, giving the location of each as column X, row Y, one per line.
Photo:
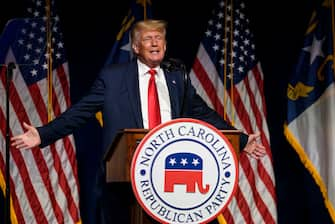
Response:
column 184, row 171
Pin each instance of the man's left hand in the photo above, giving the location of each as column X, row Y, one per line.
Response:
column 253, row 147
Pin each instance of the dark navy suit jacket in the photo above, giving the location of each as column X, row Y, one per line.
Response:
column 116, row 93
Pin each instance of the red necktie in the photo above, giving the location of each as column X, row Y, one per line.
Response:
column 154, row 114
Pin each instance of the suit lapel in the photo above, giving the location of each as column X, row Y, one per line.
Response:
column 134, row 93
column 172, row 83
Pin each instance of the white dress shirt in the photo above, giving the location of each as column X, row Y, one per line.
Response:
column 163, row 93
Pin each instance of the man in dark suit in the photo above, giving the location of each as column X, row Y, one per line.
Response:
column 121, row 92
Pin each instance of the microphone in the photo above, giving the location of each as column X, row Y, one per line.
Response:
column 173, row 64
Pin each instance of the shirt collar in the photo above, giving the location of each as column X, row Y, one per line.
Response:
column 143, row 68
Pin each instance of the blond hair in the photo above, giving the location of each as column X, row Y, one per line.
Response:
column 149, row 24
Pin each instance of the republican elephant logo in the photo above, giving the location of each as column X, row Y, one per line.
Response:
column 184, row 169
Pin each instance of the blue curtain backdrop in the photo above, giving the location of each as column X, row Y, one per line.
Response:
column 89, row 33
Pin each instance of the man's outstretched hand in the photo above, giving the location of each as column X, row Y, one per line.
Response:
column 253, row 147
column 27, row 140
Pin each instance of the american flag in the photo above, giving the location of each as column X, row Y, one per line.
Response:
column 228, row 76
column 43, row 182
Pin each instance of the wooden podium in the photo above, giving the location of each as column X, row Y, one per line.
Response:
column 119, row 157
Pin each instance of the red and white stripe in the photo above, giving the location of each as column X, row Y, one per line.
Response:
column 244, row 106
column 44, row 182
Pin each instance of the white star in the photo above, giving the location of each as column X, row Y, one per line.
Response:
column 60, row 45
column 195, row 162
column 172, row 161
column 217, row 36
column 26, row 57
column 184, row 162
column 208, row 33
column 36, row 14
column 29, row 46
column 315, row 49
column 35, row 61
column 33, row 72
column 31, row 35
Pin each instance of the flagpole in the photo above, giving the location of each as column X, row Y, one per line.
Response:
column 145, row 9
column 232, row 62
column 49, row 58
column 333, row 32
column 9, row 76
column 220, row 218
column 225, row 44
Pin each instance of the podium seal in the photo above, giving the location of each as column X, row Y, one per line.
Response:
column 184, row 171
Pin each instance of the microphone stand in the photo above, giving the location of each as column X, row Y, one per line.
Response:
column 9, row 76
column 174, row 64
column 186, row 80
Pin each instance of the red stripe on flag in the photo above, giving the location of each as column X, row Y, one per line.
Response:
column 64, row 84
column 243, row 205
column 71, row 153
column 259, row 82
column 267, row 181
column 55, row 105
column 228, row 216
column 63, row 183
column 240, row 110
column 256, row 115
column 208, row 86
